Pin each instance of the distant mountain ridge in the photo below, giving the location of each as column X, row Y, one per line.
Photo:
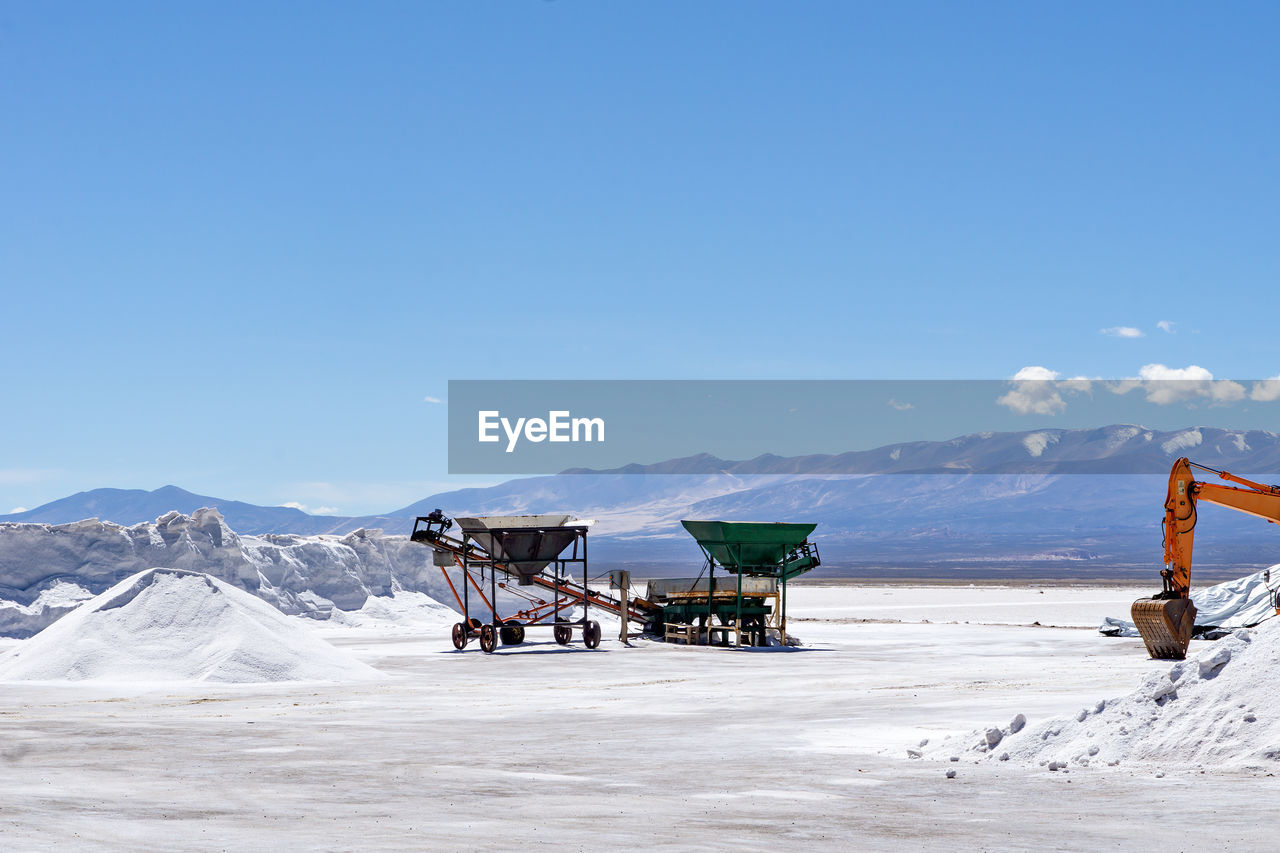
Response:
column 134, row 506
column 1115, row 449
column 1005, row 499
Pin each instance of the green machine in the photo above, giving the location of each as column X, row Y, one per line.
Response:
column 760, row 557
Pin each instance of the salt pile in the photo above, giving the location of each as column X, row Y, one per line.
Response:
column 1217, row 708
column 176, row 625
column 403, row 610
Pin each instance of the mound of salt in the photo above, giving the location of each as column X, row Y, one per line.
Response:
column 404, row 610
column 176, row 625
column 1218, row 707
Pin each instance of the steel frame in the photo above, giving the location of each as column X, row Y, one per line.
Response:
column 479, row 568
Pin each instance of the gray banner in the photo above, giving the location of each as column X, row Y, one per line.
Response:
column 1031, row 425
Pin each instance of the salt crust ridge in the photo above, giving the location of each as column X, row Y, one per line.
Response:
column 47, row 570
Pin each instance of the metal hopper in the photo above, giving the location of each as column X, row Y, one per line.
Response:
column 775, row 549
column 756, row 552
column 526, row 544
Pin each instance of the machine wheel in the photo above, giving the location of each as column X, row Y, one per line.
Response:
column 488, row 638
column 459, row 636
column 563, row 634
column 511, row 634
column 591, row 634
column 475, row 625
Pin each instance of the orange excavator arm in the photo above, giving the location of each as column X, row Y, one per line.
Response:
column 1185, row 491
column 1166, row 620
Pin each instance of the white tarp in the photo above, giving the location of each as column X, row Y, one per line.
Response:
column 1239, row 603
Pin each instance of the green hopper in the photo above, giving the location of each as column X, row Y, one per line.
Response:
column 758, row 548
column 776, row 550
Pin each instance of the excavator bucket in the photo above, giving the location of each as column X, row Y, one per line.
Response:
column 1165, row 625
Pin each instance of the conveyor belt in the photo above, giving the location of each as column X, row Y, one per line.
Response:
column 638, row 610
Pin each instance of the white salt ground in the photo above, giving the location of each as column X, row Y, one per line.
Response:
column 541, row 745
column 171, row 625
column 1216, row 709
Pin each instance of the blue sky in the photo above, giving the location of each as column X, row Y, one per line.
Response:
column 242, row 243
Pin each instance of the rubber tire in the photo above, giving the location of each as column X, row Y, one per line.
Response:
column 459, row 636
column 511, row 634
column 591, row 634
column 488, row 639
column 563, row 634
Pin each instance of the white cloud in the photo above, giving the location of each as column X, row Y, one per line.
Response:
column 17, row 509
column 1037, row 390
column 1158, row 372
column 1033, row 392
column 1165, row 326
column 1164, row 385
column 1124, row 386
column 1035, row 372
column 430, row 399
column 1265, row 390
column 1079, row 384
column 901, row 407
column 1123, row 332
column 314, row 510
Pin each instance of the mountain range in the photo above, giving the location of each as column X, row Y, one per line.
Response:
column 134, row 506
column 1070, row 503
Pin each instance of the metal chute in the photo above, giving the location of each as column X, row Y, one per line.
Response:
column 525, row 543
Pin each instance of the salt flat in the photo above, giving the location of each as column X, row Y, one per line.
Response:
column 657, row 746
column 1065, row 606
